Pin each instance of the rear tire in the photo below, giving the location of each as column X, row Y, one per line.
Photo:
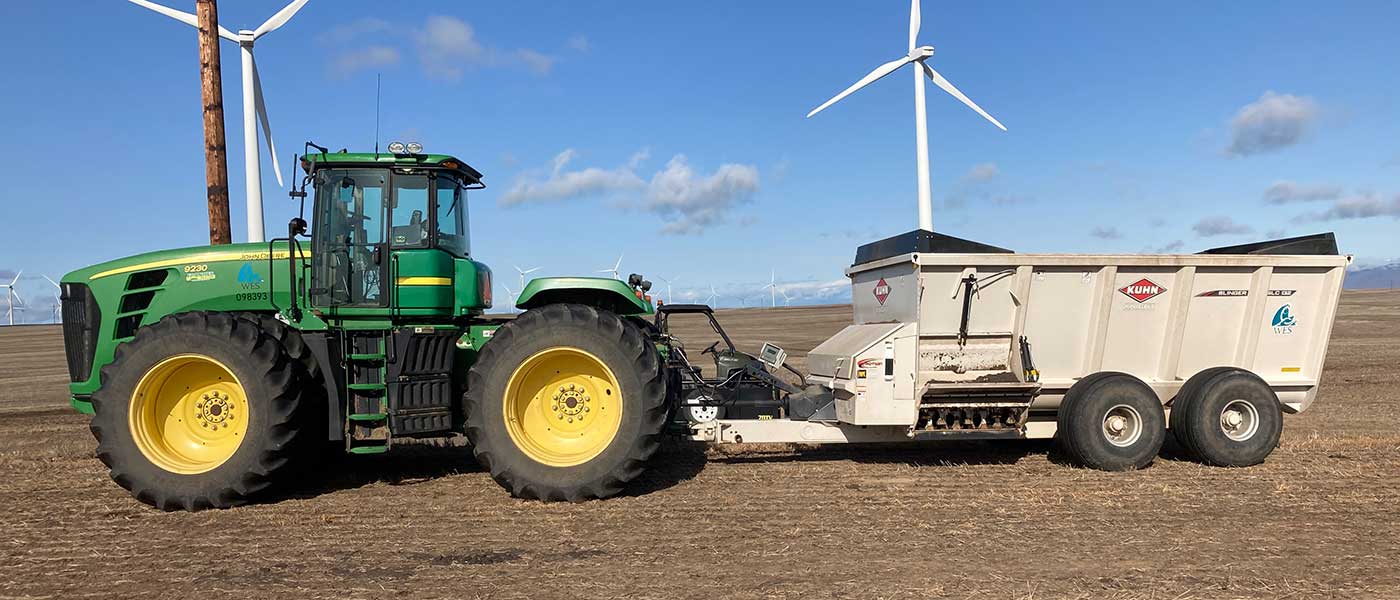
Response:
column 566, row 402
column 1112, row 422
column 1230, row 418
column 200, row 410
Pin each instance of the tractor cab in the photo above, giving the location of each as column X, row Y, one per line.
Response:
column 390, row 236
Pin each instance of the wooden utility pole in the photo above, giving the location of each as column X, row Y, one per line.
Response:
column 212, row 93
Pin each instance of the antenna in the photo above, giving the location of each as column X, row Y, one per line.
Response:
column 376, row 114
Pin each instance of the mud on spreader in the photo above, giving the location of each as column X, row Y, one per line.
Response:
column 217, row 375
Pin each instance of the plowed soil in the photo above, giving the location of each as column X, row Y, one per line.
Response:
column 1320, row 519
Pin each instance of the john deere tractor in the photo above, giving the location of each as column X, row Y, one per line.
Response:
column 217, row 374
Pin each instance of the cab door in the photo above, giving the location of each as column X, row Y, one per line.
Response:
column 349, row 257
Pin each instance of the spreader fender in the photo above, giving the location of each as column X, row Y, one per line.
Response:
column 608, row 294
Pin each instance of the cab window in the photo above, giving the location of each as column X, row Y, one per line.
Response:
column 451, row 216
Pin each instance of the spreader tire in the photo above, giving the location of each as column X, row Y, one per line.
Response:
column 1112, row 422
column 1230, row 418
column 201, row 410
column 566, row 402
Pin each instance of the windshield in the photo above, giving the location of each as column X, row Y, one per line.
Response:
column 409, row 215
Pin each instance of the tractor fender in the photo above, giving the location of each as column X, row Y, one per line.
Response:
column 608, row 294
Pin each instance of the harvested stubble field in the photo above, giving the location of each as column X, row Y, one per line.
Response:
column 1320, row 519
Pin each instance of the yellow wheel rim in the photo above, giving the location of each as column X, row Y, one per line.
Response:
column 563, row 407
column 189, row 414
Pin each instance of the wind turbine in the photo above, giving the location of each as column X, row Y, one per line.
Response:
column 668, row 287
column 714, row 296
column 253, row 107
column 772, row 288
column 918, row 55
column 787, row 301
column 57, row 302
column 11, row 296
column 523, row 273
column 614, row 268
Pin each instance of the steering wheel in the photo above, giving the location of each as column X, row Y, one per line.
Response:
column 711, row 349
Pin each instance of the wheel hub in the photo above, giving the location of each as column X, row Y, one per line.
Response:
column 571, row 403
column 1122, row 425
column 1239, row 420
column 214, row 409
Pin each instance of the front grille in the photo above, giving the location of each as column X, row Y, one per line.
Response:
column 82, row 320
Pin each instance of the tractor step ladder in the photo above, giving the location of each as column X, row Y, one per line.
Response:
column 367, row 395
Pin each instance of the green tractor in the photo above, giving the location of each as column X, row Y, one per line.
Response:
column 218, row 375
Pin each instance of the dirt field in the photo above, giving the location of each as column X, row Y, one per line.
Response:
column 1320, row 519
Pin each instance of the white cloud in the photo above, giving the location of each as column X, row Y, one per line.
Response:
column 1272, row 122
column 983, row 172
column 346, row 33
column 1285, row 192
column 1172, row 247
column 1105, row 233
column 536, row 61
column 688, row 201
column 1213, row 226
column 1363, row 206
column 447, row 47
column 692, row 202
column 562, row 185
column 367, row 58
column 579, row 42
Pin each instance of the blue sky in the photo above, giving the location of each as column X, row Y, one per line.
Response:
column 673, row 133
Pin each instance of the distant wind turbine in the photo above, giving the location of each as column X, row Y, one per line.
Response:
column 254, row 110
column 772, row 288
column 668, row 287
column 614, row 269
column 787, row 301
column 57, row 301
column 523, row 273
column 918, row 55
column 714, row 296
column 512, row 295
column 11, row 297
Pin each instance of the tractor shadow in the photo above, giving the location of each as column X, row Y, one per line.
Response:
column 421, row 461
column 410, row 463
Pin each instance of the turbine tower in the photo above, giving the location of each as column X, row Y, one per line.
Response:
column 11, row 297
column 57, row 300
column 919, row 55
column 254, row 110
column 773, row 288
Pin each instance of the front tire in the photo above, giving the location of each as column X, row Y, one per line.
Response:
column 566, row 402
column 200, row 410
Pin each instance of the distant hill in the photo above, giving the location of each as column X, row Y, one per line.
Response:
column 1382, row 276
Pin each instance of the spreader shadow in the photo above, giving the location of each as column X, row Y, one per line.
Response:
column 995, row 452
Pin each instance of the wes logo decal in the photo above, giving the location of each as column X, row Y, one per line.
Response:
column 882, row 291
column 248, row 277
column 1142, row 290
column 1284, row 320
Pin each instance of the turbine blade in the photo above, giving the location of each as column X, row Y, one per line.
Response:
column 879, row 72
column 182, row 17
column 262, row 119
column 16, row 279
column 939, row 81
column 55, row 283
column 279, row 19
column 914, row 22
